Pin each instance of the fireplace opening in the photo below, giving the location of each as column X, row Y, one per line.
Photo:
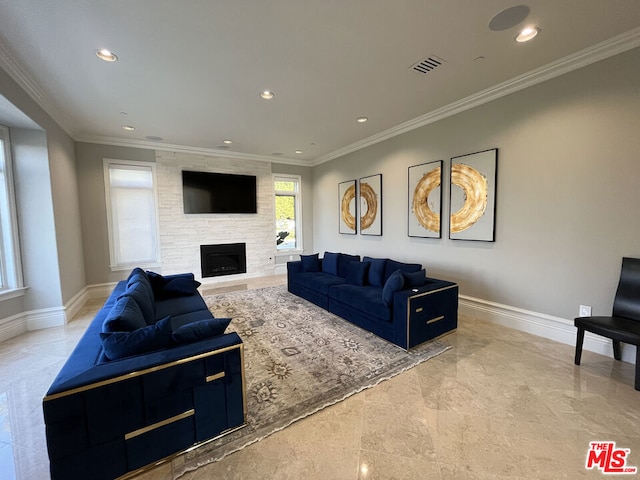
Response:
column 223, row 259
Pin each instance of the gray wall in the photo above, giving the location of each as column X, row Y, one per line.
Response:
column 568, row 191
column 63, row 274
column 93, row 209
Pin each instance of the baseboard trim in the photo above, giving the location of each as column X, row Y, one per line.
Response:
column 540, row 324
column 45, row 318
column 12, row 326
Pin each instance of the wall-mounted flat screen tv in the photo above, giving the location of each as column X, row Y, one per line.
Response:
column 208, row 192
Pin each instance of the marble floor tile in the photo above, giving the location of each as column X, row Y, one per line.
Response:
column 501, row 404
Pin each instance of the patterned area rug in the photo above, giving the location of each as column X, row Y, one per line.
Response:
column 299, row 359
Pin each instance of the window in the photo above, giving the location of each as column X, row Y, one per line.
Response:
column 10, row 267
column 288, row 219
column 131, row 214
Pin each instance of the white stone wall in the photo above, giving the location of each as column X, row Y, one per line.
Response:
column 181, row 235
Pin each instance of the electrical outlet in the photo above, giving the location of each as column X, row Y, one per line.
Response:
column 585, row 310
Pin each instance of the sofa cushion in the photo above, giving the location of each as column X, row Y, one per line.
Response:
column 357, row 273
column 391, row 266
column 394, row 283
column 344, row 260
column 179, row 305
column 415, row 279
column 125, row 344
column 367, row 298
column 178, row 321
column 330, row 263
column 192, row 332
column 376, row 271
column 318, row 281
column 125, row 316
column 141, row 292
column 310, row 263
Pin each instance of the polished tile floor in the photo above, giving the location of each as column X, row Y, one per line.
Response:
column 500, row 404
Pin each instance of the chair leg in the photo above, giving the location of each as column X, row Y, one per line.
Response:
column 579, row 340
column 616, row 350
column 637, row 383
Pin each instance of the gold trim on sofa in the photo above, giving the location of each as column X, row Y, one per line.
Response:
column 139, row 373
column 168, row 421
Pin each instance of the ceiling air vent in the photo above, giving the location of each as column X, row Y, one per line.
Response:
column 428, row 64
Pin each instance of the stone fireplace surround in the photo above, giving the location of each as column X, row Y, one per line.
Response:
column 181, row 235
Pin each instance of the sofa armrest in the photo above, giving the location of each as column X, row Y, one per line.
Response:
column 158, row 404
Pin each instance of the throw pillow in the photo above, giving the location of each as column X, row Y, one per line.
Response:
column 344, row 260
column 415, row 279
column 394, row 283
column 357, row 273
column 376, row 271
column 310, row 263
column 178, row 287
column 125, row 344
column 142, row 294
column 192, row 332
column 124, row 316
column 330, row 263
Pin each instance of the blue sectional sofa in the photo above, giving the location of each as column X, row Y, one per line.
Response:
column 391, row 299
column 153, row 375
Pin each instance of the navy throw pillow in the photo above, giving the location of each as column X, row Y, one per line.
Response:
column 394, row 283
column 156, row 280
column 194, row 331
column 124, row 316
column 415, row 279
column 376, row 271
column 357, row 273
column 142, row 294
column 344, row 260
column 125, row 344
column 310, row 263
column 179, row 287
column 330, row 263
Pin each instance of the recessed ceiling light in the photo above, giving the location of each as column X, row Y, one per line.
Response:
column 298, row 151
column 527, row 33
column 361, row 119
column 267, row 94
column 106, row 55
column 228, row 142
column 128, row 128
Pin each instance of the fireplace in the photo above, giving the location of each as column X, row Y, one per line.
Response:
column 223, row 259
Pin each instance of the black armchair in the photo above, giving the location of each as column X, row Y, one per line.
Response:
column 624, row 323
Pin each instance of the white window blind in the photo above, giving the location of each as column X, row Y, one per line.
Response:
column 132, row 214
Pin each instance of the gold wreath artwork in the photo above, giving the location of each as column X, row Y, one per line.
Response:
column 474, row 186
column 370, row 198
column 420, row 203
column 347, row 217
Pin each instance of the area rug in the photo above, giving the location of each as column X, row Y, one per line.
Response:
column 299, row 359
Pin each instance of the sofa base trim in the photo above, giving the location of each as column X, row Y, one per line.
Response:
column 151, row 466
column 168, row 421
column 442, row 335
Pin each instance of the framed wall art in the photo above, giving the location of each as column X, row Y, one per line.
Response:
column 347, row 207
column 472, row 208
column 425, row 200
column 370, row 193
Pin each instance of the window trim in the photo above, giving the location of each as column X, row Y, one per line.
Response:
column 15, row 279
column 284, row 177
column 113, row 265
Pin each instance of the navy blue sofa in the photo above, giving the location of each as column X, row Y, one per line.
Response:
column 391, row 299
column 129, row 397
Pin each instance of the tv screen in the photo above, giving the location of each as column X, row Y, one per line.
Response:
column 207, row 192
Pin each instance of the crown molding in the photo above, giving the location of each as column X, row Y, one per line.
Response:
column 168, row 147
column 583, row 58
column 16, row 70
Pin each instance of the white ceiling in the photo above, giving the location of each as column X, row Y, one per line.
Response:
column 190, row 71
